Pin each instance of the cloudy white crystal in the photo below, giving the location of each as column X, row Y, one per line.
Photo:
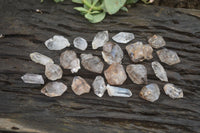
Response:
column 100, row 39
column 157, row 41
column 118, row 91
column 159, row 71
column 99, row 86
column 53, row 71
column 123, row 37
column 80, row 43
column 172, row 91
column 40, row 58
column 32, row 78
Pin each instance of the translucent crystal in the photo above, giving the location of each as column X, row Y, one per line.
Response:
column 159, row 71
column 100, row 39
column 137, row 73
column 147, row 51
column 53, row 71
column 118, row 91
column 173, row 91
column 92, row 63
column 80, row 43
column 99, row 86
column 112, row 53
column 168, row 56
column 123, row 37
column 57, row 43
column 80, row 86
column 115, row 74
column 54, row 89
column 157, row 41
column 40, row 58
column 150, row 92
column 33, row 78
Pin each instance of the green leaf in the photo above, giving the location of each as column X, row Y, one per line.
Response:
column 81, row 9
column 89, row 17
column 131, row 1
column 58, row 1
column 95, row 12
column 98, row 17
column 124, row 9
column 77, row 1
column 113, row 6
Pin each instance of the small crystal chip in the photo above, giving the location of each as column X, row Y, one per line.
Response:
column 54, row 89
column 92, row 63
column 168, row 56
column 159, row 71
column 157, row 41
column 173, row 91
column 147, row 50
column 123, row 37
column 40, row 58
column 80, row 86
column 100, row 39
column 80, row 43
column 118, row 91
column 57, row 43
column 33, row 78
column 99, row 86
column 53, row 71
column 150, row 92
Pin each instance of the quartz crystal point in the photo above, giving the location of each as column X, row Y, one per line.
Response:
column 157, row 41
column 33, row 78
column 123, row 37
column 100, row 39
column 80, row 86
column 137, row 73
column 115, row 74
column 57, row 43
column 118, row 91
column 80, row 43
column 172, row 91
column 112, row 53
column 69, row 60
column 92, row 63
column 99, row 86
column 159, row 71
column 54, row 89
column 53, row 71
column 168, row 56
column 150, row 92
column 147, row 50
column 40, row 58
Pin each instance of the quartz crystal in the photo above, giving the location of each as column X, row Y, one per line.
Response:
column 112, row 53
column 80, row 86
column 100, row 39
column 137, row 73
column 168, row 56
column 33, row 78
column 150, row 92
column 80, row 43
column 54, row 89
column 69, row 60
column 118, row 91
column 92, row 63
column 173, row 91
column 40, row 58
column 57, row 43
column 53, row 71
column 123, row 37
column 115, row 74
column 159, row 71
column 147, row 51
column 157, row 41
column 99, row 86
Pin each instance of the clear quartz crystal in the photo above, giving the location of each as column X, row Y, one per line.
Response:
column 99, row 86
column 147, row 50
column 54, row 89
column 32, row 78
column 40, row 58
column 159, row 71
column 80, row 43
column 100, row 39
column 118, row 91
column 123, row 37
column 157, row 41
column 57, row 42
column 172, row 91
column 53, row 71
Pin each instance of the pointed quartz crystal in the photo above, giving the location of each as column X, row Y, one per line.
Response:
column 80, row 43
column 157, row 41
column 123, row 37
column 118, row 91
column 99, row 86
column 100, row 39
column 159, row 71
column 172, row 91
column 40, row 58
column 33, row 78
column 53, row 71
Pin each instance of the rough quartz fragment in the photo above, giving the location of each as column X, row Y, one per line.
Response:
column 69, row 60
column 147, row 50
column 100, row 39
column 150, row 92
column 172, row 91
column 99, row 86
column 168, row 56
column 53, row 71
column 137, row 73
column 112, row 53
column 159, row 71
column 80, row 86
column 80, row 43
column 54, row 89
column 92, row 63
column 33, row 78
column 157, row 41
column 123, row 37
column 57, row 43
column 115, row 74
column 40, row 58
column 118, row 91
